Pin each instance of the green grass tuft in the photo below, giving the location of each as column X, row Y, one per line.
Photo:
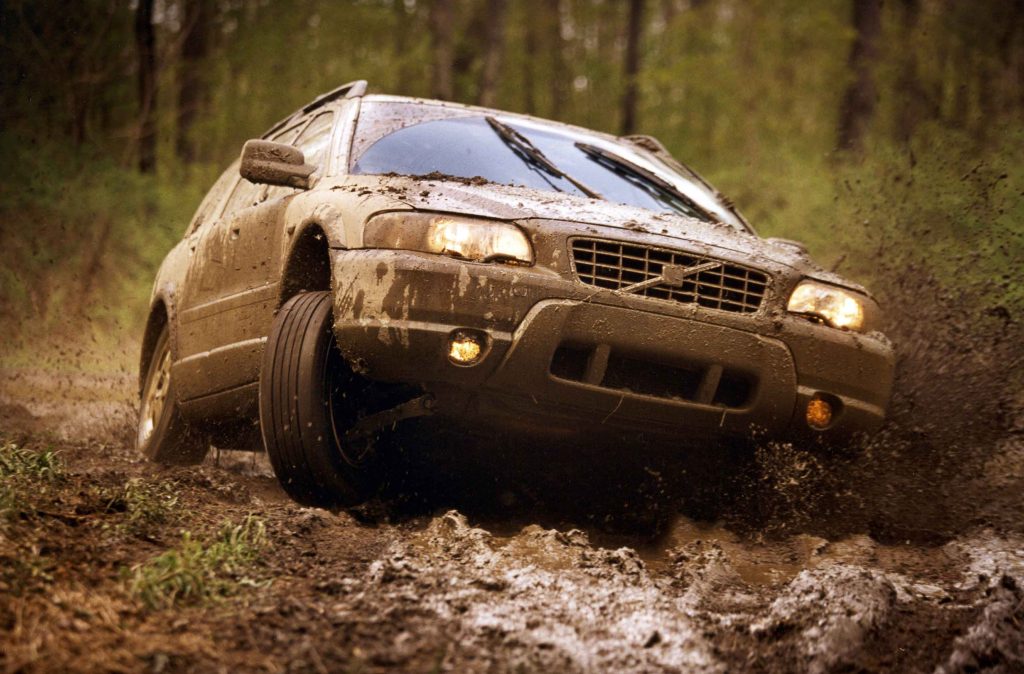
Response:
column 23, row 472
column 145, row 504
column 196, row 572
column 20, row 462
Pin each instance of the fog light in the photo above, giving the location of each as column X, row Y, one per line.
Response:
column 465, row 347
column 819, row 414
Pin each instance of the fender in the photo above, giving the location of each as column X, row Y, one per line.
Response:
column 306, row 245
column 328, row 217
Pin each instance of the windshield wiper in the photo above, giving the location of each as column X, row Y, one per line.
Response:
column 531, row 154
column 625, row 167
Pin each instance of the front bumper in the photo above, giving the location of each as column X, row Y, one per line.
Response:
column 562, row 356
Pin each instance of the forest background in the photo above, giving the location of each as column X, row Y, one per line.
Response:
column 889, row 136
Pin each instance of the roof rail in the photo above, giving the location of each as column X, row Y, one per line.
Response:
column 349, row 90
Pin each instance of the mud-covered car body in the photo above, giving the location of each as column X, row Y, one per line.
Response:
column 619, row 318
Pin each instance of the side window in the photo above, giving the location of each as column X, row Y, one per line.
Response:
column 288, row 135
column 244, row 195
column 315, row 139
column 271, row 192
column 212, row 198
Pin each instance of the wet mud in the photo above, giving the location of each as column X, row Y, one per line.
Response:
column 790, row 567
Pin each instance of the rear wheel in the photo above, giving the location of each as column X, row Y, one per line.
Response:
column 163, row 436
column 309, row 399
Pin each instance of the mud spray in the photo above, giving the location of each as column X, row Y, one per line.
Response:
column 904, row 552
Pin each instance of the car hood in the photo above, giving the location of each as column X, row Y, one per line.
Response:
column 479, row 198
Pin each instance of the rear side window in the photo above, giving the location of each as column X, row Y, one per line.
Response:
column 271, row 192
column 209, row 203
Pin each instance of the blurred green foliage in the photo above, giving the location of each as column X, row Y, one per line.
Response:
column 749, row 92
column 84, row 232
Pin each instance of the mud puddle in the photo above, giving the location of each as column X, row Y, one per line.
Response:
column 549, row 599
column 762, row 561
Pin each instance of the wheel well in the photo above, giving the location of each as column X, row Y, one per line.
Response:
column 309, row 265
column 154, row 326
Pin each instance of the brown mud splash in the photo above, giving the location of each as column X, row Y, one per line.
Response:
column 951, row 456
column 437, row 592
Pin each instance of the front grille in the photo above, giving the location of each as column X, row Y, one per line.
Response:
column 616, row 266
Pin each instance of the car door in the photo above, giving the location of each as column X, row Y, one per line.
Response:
column 228, row 318
column 218, row 351
column 205, row 262
column 204, row 245
column 255, row 224
column 202, row 298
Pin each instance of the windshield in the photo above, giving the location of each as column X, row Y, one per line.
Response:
column 467, row 144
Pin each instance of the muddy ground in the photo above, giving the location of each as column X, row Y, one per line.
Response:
column 889, row 558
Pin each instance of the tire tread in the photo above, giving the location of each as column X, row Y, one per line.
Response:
column 293, row 412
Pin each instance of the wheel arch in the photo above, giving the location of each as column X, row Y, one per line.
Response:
column 307, row 265
column 159, row 316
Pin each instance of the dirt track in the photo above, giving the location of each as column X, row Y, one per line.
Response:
column 426, row 587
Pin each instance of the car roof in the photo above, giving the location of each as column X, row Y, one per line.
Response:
column 357, row 89
column 388, row 98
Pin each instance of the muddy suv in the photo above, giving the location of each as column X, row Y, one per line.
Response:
column 373, row 259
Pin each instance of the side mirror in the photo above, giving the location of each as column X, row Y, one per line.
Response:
column 270, row 163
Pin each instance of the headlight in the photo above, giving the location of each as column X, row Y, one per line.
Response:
column 835, row 306
column 455, row 235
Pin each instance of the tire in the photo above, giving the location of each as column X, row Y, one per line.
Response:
column 309, row 398
column 163, row 435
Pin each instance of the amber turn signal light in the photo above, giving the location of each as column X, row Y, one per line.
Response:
column 465, row 347
column 819, row 414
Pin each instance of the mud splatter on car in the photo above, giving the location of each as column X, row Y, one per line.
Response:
column 374, row 260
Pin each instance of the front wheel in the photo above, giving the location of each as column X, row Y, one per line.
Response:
column 309, row 398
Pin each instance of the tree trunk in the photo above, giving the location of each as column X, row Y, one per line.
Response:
column 79, row 115
column 859, row 102
column 494, row 47
column 997, row 98
column 145, row 42
column 559, row 73
column 911, row 94
column 530, row 49
column 632, row 66
column 669, row 10
column 1017, row 74
column 400, row 32
column 192, row 91
column 441, row 18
